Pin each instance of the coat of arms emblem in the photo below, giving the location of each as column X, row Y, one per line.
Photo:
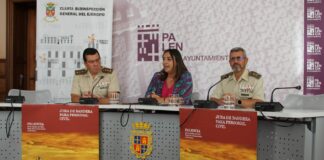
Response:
column 50, row 12
column 141, row 139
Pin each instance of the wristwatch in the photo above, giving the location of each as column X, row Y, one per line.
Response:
column 239, row 102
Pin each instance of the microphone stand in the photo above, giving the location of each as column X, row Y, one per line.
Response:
column 91, row 100
column 19, row 98
column 272, row 106
column 207, row 103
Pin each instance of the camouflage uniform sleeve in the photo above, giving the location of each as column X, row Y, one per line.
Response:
column 114, row 84
column 76, row 86
column 259, row 90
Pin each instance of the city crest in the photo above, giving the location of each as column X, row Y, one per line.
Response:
column 141, row 139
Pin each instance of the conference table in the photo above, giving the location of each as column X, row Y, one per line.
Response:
column 294, row 134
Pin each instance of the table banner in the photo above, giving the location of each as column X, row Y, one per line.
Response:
column 218, row 134
column 61, row 132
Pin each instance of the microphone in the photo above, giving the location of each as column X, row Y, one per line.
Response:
column 19, row 98
column 149, row 100
column 296, row 87
column 207, row 103
column 21, row 81
column 211, row 88
column 91, row 100
column 272, row 106
column 101, row 77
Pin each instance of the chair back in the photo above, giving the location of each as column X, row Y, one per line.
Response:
column 31, row 96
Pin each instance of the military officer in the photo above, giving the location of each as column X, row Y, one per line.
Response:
column 246, row 86
column 94, row 81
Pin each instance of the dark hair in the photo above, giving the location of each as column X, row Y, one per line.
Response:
column 238, row 49
column 89, row 51
column 180, row 67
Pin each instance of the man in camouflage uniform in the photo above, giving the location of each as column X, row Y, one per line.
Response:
column 246, row 86
column 94, row 81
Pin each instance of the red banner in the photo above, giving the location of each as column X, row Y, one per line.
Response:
column 62, row 132
column 218, row 134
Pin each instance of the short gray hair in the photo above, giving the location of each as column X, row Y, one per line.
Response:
column 237, row 49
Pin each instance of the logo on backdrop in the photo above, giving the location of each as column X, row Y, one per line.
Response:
column 141, row 139
column 94, row 42
column 313, row 31
column 314, row 1
column 50, row 12
column 313, row 83
column 313, row 14
column 313, row 41
column 313, row 65
column 313, row 48
column 150, row 42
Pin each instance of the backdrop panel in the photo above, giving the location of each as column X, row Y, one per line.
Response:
column 64, row 30
column 314, row 25
column 204, row 31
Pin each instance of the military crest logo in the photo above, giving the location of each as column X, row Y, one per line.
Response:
column 91, row 41
column 50, row 12
column 141, row 139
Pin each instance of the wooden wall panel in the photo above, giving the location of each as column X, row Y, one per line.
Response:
column 2, row 68
column 3, row 76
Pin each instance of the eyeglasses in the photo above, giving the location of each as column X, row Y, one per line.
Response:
column 239, row 58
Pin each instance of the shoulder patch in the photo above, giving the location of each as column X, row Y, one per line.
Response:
column 80, row 71
column 226, row 75
column 255, row 74
column 107, row 70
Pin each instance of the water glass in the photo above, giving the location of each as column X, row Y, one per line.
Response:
column 175, row 99
column 113, row 97
column 229, row 102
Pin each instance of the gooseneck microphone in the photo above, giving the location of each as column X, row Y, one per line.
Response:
column 296, row 87
column 17, row 98
column 208, row 103
column 94, row 86
column 212, row 87
column 272, row 106
column 91, row 100
column 21, row 81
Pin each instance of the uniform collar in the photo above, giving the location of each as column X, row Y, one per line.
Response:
column 244, row 76
column 98, row 75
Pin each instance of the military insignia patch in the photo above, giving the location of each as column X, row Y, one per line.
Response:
column 226, row 75
column 81, row 71
column 255, row 74
column 141, row 139
column 107, row 70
